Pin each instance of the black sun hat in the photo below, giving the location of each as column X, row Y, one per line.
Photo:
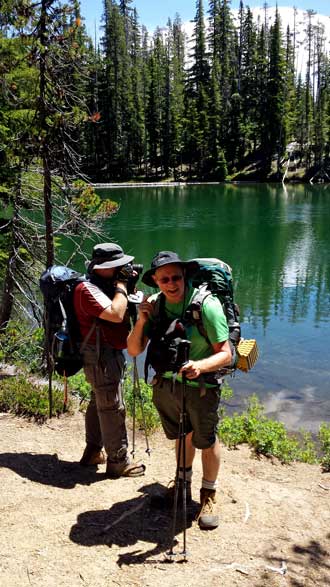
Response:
column 106, row 256
column 160, row 259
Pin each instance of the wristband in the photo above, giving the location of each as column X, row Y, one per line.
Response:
column 122, row 291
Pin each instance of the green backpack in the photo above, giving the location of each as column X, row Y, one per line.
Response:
column 213, row 277
column 210, row 277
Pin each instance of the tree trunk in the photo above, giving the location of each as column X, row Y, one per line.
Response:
column 47, row 189
column 7, row 298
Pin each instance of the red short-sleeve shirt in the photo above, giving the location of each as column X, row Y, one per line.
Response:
column 89, row 302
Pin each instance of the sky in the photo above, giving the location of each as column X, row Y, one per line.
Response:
column 154, row 13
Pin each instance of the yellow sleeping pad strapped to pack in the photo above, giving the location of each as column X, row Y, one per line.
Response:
column 248, row 353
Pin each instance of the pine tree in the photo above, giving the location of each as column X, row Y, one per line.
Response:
column 275, row 122
column 299, row 115
column 117, row 97
column 214, row 28
column 247, row 77
column 261, row 91
column 156, row 105
column 137, row 130
column 227, row 56
column 92, row 136
column 177, row 86
column 290, row 88
column 235, row 130
column 216, row 168
column 198, row 92
column 308, row 86
column 321, row 93
column 47, row 113
column 146, row 84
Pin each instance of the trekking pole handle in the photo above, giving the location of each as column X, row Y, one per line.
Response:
column 183, row 354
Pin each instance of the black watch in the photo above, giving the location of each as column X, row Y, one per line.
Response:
column 122, row 291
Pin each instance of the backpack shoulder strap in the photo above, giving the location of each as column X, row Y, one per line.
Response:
column 159, row 309
column 195, row 316
column 193, row 313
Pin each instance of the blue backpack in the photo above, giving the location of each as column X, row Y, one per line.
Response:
column 57, row 285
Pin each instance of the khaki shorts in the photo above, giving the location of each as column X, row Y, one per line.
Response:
column 202, row 412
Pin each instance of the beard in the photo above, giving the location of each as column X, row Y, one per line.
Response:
column 106, row 285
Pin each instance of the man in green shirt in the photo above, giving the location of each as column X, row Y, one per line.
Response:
column 206, row 357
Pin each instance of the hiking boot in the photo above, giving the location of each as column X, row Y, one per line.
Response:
column 166, row 500
column 92, row 455
column 124, row 469
column 207, row 518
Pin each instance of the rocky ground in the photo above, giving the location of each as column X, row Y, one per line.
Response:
column 63, row 526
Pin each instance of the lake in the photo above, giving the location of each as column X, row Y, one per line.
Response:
column 277, row 240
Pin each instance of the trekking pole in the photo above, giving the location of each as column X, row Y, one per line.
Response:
column 49, row 364
column 134, row 413
column 65, row 398
column 181, row 449
column 133, row 301
column 50, row 393
column 184, row 460
column 137, row 392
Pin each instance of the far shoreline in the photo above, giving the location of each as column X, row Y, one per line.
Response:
column 105, row 185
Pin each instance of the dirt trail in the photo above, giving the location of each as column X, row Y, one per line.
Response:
column 64, row 526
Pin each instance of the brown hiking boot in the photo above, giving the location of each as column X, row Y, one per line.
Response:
column 206, row 518
column 92, row 455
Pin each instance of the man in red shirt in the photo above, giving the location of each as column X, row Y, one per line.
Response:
column 100, row 304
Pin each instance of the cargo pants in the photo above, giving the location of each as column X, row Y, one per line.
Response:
column 105, row 420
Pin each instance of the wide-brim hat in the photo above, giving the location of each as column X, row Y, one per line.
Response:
column 160, row 259
column 106, row 256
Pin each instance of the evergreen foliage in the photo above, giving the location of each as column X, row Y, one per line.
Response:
column 45, row 65
column 157, row 105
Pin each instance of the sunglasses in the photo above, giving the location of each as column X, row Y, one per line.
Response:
column 173, row 278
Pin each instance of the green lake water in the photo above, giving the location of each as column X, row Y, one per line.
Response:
column 277, row 240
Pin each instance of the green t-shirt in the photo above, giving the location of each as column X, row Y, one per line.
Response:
column 214, row 322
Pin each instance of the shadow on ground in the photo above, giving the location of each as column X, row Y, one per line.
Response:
column 132, row 521
column 50, row 470
column 306, row 562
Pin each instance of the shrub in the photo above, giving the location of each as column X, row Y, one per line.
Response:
column 269, row 437
column 80, row 388
column 20, row 346
column 232, row 430
column 324, row 437
column 140, row 395
column 265, row 436
column 307, row 451
column 24, row 398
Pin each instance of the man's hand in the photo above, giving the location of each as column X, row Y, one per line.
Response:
column 220, row 358
column 137, row 340
column 129, row 276
column 145, row 310
column 191, row 369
